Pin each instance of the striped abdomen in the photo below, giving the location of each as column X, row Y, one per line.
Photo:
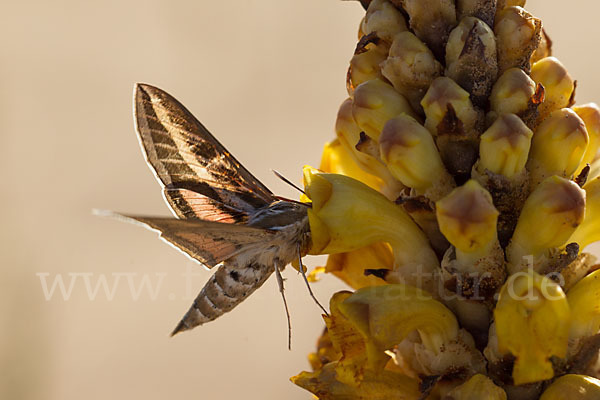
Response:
column 227, row 288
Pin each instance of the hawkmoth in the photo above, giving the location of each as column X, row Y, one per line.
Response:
column 226, row 218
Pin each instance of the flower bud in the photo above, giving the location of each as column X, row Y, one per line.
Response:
column 558, row 85
column 549, row 217
column 590, row 114
column 503, row 153
column 375, row 102
column 411, row 67
column 407, row 148
column 364, row 65
column 584, row 299
column 383, row 19
column 558, row 146
column 589, row 231
column 471, row 58
column 473, row 269
column 573, row 387
column 504, row 147
column 347, row 215
column 348, row 134
column 532, row 323
column 518, row 34
column 442, row 93
column 468, row 218
column 477, row 387
column 431, row 21
column 454, row 121
column 515, row 92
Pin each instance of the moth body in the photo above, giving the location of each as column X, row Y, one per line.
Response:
column 238, row 277
column 226, row 218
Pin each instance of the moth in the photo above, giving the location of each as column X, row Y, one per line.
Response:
column 226, row 218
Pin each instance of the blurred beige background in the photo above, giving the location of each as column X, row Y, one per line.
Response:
column 266, row 77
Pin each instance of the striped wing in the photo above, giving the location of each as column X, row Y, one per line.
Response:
column 209, row 243
column 188, row 204
column 189, row 161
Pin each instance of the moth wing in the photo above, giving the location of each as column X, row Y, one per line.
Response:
column 188, row 204
column 185, row 155
column 207, row 242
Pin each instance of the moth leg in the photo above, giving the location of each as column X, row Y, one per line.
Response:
column 287, row 311
column 306, row 280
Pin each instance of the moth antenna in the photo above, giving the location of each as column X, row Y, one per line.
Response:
column 287, row 311
column 306, row 280
column 286, row 180
column 309, row 205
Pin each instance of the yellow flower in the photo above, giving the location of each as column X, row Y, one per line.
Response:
column 558, row 84
column 350, row 267
column 347, row 215
column 351, row 344
column 363, row 325
column 338, row 160
column 549, row 217
column 532, row 323
column 388, row 314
